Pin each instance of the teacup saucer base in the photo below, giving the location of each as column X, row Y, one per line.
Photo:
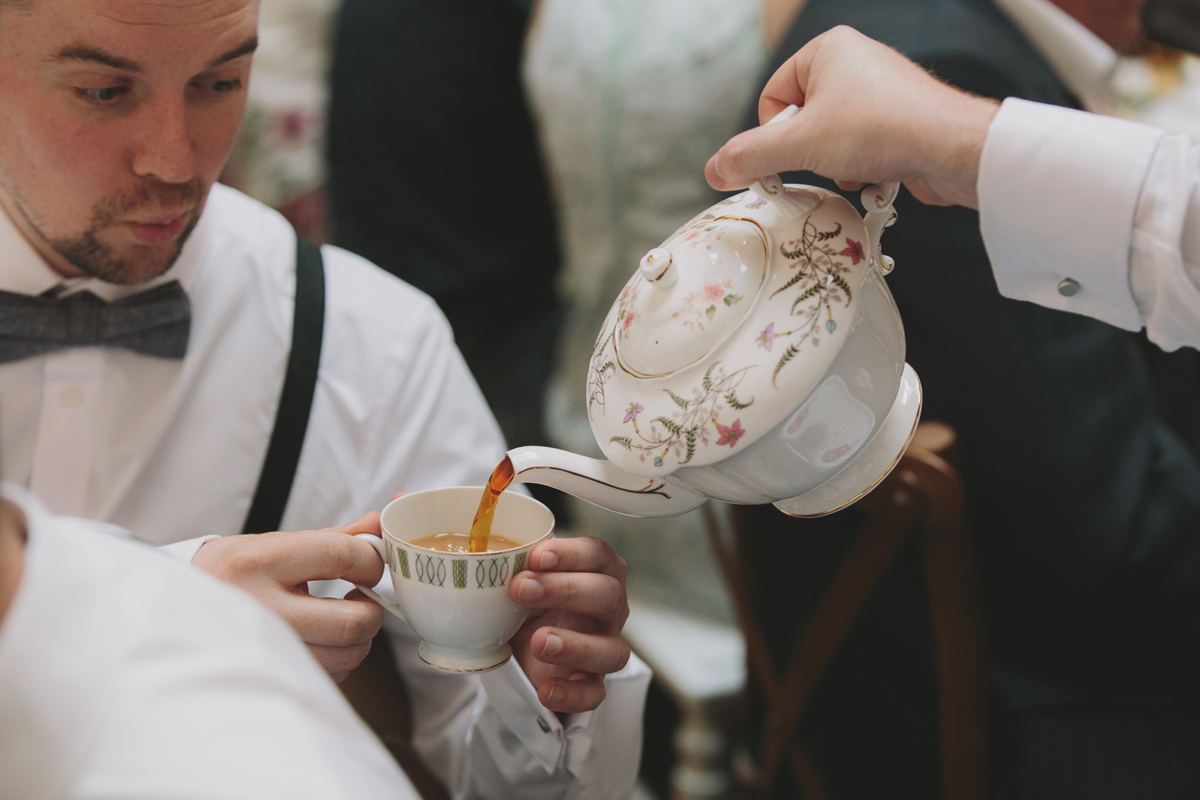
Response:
column 863, row 472
column 465, row 661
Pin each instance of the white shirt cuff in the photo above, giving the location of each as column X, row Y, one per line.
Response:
column 185, row 551
column 1058, row 189
column 554, row 744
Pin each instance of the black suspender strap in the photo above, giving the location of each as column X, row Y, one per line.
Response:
column 295, row 401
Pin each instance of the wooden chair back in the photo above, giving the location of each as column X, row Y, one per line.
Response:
column 923, row 496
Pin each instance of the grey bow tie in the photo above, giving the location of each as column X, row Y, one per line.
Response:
column 154, row 323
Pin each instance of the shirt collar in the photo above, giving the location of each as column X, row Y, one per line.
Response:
column 1082, row 60
column 24, row 271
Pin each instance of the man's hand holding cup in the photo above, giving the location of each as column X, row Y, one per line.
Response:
column 572, row 638
column 276, row 567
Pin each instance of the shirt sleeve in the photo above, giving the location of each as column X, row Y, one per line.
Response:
column 485, row 737
column 1094, row 215
column 184, row 551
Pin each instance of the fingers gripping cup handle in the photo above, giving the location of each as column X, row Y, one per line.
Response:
column 388, row 605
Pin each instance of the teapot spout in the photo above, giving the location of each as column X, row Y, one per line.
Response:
column 603, row 484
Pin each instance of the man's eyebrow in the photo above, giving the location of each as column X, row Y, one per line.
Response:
column 245, row 48
column 82, row 52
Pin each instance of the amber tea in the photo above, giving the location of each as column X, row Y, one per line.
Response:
column 481, row 527
column 461, row 543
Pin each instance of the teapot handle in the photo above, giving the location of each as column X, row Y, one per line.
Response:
column 878, row 200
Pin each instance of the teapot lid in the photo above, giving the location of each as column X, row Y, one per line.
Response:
column 727, row 326
column 689, row 295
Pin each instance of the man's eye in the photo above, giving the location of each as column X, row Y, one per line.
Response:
column 104, row 95
column 222, row 86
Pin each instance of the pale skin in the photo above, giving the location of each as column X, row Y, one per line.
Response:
column 116, row 117
column 869, row 115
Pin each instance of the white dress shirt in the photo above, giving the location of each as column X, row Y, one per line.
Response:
column 1087, row 213
column 126, row 675
column 1094, row 215
column 172, row 451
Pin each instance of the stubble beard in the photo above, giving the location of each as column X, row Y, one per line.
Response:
column 92, row 256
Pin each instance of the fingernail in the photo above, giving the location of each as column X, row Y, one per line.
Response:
column 717, row 166
column 549, row 560
column 554, row 645
column 530, row 590
column 555, row 693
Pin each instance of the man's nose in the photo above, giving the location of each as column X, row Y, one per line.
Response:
column 165, row 149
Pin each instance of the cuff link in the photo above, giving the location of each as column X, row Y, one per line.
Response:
column 1068, row 287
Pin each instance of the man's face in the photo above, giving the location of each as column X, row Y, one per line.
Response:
column 116, row 117
column 1117, row 22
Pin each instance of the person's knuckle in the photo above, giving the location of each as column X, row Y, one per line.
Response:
column 614, row 597
column 624, row 652
column 594, row 696
column 733, row 156
column 571, row 591
column 336, row 550
column 355, row 622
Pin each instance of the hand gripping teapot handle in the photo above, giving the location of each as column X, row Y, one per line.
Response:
column 878, row 200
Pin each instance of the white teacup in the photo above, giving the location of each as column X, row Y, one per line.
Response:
column 458, row 603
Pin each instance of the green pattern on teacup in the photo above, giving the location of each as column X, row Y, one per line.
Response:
column 519, row 562
column 459, row 568
column 402, row 555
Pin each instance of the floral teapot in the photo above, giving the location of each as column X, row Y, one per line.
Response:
column 755, row 357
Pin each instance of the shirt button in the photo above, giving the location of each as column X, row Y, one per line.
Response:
column 1068, row 287
column 72, row 397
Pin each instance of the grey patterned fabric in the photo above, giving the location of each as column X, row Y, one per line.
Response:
column 154, row 323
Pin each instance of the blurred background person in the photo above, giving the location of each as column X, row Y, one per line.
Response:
column 279, row 155
column 630, row 99
column 435, row 175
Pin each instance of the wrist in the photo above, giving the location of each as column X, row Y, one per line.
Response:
column 953, row 173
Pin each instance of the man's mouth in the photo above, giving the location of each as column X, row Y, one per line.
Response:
column 159, row 228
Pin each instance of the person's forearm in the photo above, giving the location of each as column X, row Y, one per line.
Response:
column 1080, row 213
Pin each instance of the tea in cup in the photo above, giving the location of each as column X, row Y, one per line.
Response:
column 458, row 601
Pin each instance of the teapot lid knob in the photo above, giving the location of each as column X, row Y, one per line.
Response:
column 658, row 268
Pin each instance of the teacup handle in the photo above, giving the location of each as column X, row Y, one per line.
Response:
column 388, row 605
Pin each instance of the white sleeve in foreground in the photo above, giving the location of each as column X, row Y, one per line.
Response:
column 1058, row 192
column 520, row 745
